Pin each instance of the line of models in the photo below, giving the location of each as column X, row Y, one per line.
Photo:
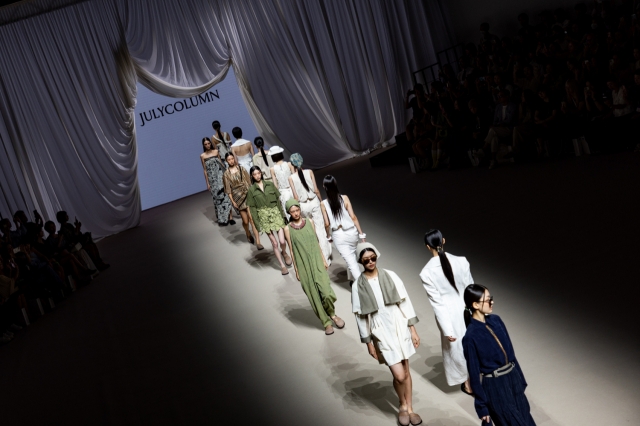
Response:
column 284, row 202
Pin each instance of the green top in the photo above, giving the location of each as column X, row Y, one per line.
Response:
column 307, row 254
column 257, row 198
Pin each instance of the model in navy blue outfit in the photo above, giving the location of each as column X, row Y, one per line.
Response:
column 496, row 379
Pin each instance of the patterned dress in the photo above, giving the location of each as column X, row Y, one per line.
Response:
column 237, row 184
column 215, row 170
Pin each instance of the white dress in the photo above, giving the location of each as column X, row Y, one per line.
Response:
column 310, row 207
column 389, row 323
column 282, row 172
column 345, row 238
column 244, row 160
column 448, row 305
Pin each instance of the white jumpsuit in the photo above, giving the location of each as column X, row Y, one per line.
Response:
column 448, row 305
column 389, row 324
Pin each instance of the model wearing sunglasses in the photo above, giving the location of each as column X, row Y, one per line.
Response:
column 386, row 319
column 495, row 374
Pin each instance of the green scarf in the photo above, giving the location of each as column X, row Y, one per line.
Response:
column 368, row 303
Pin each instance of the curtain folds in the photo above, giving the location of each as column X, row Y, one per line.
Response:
column 320, row 77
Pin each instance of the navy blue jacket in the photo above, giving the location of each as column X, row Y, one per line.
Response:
column 484, row 355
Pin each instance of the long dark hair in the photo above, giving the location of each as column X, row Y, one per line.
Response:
column 433, row 238
column 333, row 196
column 302, row 179
column 253, row 169
column 259, row 143
column 213, row 146
column 216, row 127
column 472, row 294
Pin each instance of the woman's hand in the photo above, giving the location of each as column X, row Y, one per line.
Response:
column 372, row 351
column 415, row 338
column 486, row 419
column 451, row 338
column 233, row 203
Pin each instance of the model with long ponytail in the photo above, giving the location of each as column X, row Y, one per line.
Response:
column 262, row 159
column 496, row 377
column 341, row 225
column 444, row 278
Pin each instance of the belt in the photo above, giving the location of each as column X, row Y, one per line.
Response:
column 506, row 369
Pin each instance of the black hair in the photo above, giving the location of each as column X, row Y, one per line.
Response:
column 366, row 249
column 302, row 179
column 472, row 294
column 47, row 224
column 216, row 127
column 237, row 132
column 253, row 169
column 277, row 157
column 433, row 238
column 333, row 196
column 212, row 144
column 259, row 143
column 60, row 216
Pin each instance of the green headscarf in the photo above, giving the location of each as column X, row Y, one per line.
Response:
column 290, row 203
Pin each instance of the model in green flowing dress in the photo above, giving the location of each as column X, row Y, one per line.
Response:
column 311, row 267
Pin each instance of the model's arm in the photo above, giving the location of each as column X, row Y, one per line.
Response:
column 274, row 179
column 253, row 211
column 293, row 189
column 327, row 224
column 439, row 307
column 347, row 205
column 315, row 187
column 473, row 366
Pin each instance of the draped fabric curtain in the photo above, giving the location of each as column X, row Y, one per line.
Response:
column 321, row 77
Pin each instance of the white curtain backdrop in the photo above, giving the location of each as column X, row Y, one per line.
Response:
column 320, row 77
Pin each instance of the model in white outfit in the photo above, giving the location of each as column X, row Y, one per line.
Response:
column 310, row 206
column 448, row 305
column 246, row 161
column 386, row 319
column 280, row 173
column 342, row 226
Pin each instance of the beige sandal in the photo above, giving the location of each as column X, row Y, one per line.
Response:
column 415, row 419
column 339, row 322
column 284, row 270
column 328, row 330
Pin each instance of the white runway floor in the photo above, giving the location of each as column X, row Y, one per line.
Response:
column 192, row 325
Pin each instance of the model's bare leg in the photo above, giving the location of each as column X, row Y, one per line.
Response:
column 399, row 383
column 274, row 242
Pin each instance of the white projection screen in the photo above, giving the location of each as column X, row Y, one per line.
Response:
column 169, row 134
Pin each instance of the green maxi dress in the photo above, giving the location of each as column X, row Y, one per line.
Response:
column 313, row 276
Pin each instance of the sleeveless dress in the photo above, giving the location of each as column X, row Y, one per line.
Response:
column 310, row 207
column 237, row 184
column 282, row 172
column 314, row 278
column 345, row 238
column 215, row 170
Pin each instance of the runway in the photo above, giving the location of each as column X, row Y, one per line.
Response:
column 193, row 326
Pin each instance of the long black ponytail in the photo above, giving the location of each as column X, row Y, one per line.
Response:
column 433, row 238
column 472, row 294
column 333, row 196
column 259, row 143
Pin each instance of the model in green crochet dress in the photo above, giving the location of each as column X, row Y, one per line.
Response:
column 311, row 268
